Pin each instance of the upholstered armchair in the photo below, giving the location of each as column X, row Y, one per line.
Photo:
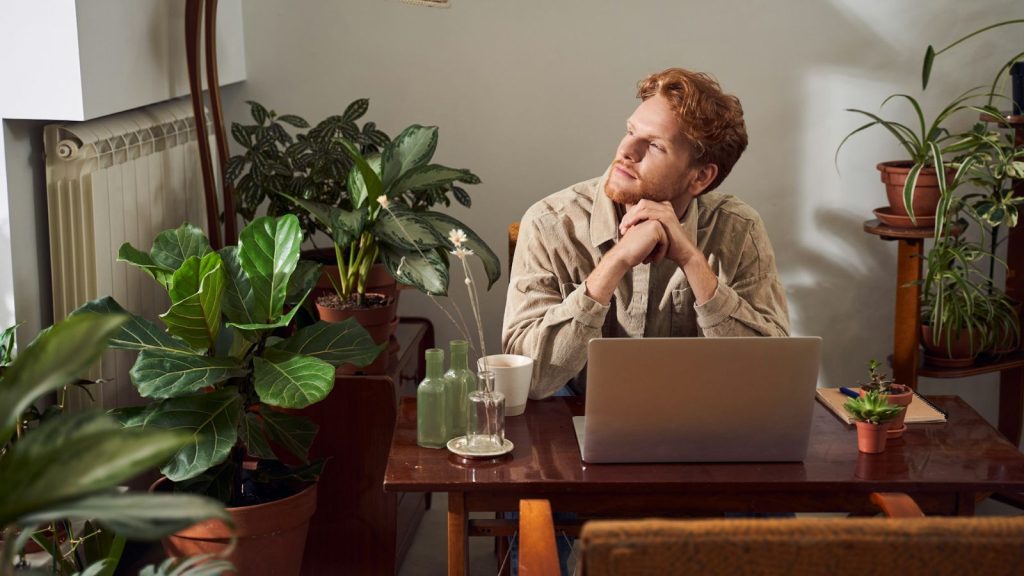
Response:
column 905, row 543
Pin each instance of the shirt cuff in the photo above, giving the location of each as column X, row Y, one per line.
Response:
column 716, row 310
column 584, row 309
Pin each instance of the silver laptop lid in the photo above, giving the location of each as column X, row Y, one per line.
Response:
column 699, row 399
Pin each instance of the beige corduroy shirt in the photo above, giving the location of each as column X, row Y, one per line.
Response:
column 550, row 318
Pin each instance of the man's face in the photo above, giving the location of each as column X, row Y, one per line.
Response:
column 653, row 160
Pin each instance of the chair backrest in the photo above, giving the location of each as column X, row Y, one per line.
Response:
column 908, row 546
column 513, row 237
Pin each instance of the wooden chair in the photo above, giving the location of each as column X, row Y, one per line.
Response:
column 906, row 543
column 513, row 237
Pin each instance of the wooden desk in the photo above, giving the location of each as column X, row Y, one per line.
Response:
column 943, row 466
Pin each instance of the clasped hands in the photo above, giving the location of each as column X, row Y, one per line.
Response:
column 650, row 231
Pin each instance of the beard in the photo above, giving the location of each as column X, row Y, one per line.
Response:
column 631, row 192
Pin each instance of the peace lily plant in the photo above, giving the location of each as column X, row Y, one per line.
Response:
column 380, row 225
column 219, row 374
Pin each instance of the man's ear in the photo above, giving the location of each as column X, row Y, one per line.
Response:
column 706, row 174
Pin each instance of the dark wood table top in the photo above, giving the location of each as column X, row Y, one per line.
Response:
column 963, row 454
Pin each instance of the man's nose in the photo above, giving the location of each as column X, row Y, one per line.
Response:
column 632, row 150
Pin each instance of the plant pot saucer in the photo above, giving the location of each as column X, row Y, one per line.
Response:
column 944, row 362
column 896, row 432
column 892, row 218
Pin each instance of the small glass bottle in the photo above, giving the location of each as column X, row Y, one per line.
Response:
column 430, row 403
column 485, row 432
column 459, row 381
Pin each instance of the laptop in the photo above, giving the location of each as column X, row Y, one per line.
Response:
column 698, row 399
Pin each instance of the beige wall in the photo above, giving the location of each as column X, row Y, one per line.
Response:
column 532, row 95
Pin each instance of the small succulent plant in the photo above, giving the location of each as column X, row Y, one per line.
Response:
column 872, row 407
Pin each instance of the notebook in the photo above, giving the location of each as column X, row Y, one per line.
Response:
column 743, row 399
column 920, row 411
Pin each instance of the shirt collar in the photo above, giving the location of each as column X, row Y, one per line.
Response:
column 604, row 219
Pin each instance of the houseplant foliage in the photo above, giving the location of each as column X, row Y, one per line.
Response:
column 218, row 373
column 925, row 144
column 380, row 224
column 68, row 466
column 310, row 165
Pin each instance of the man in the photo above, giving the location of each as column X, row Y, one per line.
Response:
column 647, row 249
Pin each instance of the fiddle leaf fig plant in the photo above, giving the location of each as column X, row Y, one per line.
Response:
column 413, row 244
column 218, row 373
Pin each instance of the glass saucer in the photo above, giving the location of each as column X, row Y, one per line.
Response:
column 459, row 446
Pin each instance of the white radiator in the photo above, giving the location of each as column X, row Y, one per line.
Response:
column 121, row 178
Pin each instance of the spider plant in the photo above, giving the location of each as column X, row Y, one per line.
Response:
column 926, row 143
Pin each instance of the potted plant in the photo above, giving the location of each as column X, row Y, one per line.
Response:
column 897, row 394
column 61, row 467
column 413, row 244
column 872, row 413
column 310, row 165
column 915, row 185
column 220, row 374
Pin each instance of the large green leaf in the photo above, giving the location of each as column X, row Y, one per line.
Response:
column 54, row 359
column 303, row 280
column 136, row 333
column 197, row 290
column 74, row 455
column 335, row 343
column 347, row 226
column 406, row 230
column 138, row 516
column 444, row 224
column 128, row 253
column 170, row 373
column 172, row 247
column 430, row 176
column 250, row 430
column 239, row 301
column 364, row 184
column 291, row 380
column 294, row 433
column 211, row 421
column 269, row 252
column 413, row 148
column 202, row 565
column 283, row 320
column 427, row 272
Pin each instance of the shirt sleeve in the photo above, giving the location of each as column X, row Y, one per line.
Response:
column 548, row 317
column 752, row 302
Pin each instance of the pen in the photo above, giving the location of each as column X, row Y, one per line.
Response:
column 849, row 392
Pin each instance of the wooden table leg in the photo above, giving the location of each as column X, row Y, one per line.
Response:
column 1011, row 404
column 458, row 535
column 907, row 321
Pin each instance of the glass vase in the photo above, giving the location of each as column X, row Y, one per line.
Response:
column 430, row 403
column 485, row 431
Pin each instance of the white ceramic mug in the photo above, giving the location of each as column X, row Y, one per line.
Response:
column 512, row 376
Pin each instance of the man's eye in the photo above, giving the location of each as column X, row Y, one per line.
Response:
column 657, row 147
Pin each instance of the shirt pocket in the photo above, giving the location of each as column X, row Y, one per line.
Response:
column 684, row 317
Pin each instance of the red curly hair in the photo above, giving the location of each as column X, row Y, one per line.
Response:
column 712, row 120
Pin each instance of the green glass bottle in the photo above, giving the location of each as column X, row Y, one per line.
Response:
column 430, row 403
column 459, row 381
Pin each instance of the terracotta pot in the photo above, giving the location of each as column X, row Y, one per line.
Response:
column 926, row 191
column 961, row 353
column 271, row 536
column 903, row 397
column 378, row 321
column 871, row 437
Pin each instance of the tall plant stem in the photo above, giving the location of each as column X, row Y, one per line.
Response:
column 471, row 288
